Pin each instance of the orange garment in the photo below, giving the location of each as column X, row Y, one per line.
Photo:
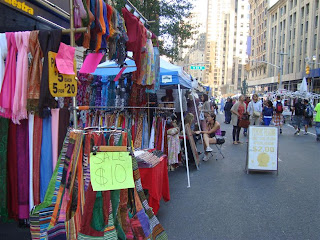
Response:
column 86, row 39
column 103, row 26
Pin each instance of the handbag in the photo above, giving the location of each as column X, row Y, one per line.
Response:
column 244, row 121
column 256, row 114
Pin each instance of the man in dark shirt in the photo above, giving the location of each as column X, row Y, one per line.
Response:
column 298, row 118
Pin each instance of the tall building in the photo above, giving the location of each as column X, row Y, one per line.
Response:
column 236, row 31
column 291, row 43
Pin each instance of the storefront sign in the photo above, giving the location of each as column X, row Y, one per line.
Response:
column 21, row 5
column 51, row 12
column 60, row 85
column 263, row 149
column 111, row 171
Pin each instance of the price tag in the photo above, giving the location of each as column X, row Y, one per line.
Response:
column 60, row 85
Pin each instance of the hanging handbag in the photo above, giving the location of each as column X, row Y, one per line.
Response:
column 201, row 116
column 244, row 121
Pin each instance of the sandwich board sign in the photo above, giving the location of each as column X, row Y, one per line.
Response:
column 262, row 153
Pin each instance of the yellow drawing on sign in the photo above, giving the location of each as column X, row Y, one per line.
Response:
column 111, row 171
column 60, row 85
column 263, row 159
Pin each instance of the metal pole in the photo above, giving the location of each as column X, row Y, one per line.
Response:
column 72, row 44
column 184, row 135
column 281, row 70
column 195, row 107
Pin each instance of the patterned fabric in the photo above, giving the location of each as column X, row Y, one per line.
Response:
column 4, row 127
column 138, row 138
column 157, row 231
column 278, row 119
column 173, row 148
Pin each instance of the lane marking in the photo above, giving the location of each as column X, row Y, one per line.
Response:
column 279, row 160
column 302, row 130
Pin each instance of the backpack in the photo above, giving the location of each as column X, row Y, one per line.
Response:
column 309, row 111
column 279, row 108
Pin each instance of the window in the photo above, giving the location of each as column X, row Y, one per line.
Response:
column 294, row 18
column 290, row 21
column 302, row 12
column 242, row 16
column 305, row 45
column 317, row 4
column 301, row 47
column 301, row 29
column 307, row 26
column 307, row 9
column 316, row 22
column 315, row 40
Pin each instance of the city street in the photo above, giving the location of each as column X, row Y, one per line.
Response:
column 226, row 203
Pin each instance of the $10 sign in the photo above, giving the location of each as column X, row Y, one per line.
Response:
column 111, row 171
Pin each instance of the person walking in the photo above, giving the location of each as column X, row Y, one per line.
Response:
column 278, row 116
column 298, row 115
column 255, row 110
column 317, row 120
column 227, row 111
column 247, row 101
column 237, row 110
column 267, row 113
column 308, row 116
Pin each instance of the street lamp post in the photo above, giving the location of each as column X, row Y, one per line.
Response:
column 314, row 59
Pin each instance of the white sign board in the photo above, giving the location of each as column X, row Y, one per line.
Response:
column 263, row 149
column 166, row 78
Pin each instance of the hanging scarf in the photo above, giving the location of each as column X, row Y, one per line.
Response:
column 35, row 71
column 9, row 79
column 49, row 41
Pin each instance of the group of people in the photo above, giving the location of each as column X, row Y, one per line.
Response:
column 260, row 112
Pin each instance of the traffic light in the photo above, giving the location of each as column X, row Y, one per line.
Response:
column 307, row 70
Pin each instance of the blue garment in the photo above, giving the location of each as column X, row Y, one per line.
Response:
column 267, row 111
column 46, row 168
column 145, row 138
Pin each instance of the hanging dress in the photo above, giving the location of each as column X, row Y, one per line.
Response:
column 9, row 80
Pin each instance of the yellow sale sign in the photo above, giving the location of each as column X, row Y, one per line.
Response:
column 111, row 171
column 60, row 85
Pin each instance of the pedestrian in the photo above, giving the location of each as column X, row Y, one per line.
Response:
column 308, row 116
column 237, row 110
column 227, row 111
column 209, row 136
column 278, row 116
column 222, row 105
column 255, row 110
column 298, row 116
column 317, row 120
column 267, row 113
column 205, row 109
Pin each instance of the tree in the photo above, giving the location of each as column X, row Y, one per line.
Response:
column 169, row 21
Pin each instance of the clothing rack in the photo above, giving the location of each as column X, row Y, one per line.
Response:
column 118, row 108
column 130, row 6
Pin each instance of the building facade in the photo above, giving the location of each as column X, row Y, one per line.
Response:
column 291, row 43
column 227, row 31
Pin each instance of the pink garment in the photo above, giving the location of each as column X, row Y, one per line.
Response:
column 9, row 80
column 20, row 96
column 55, row 137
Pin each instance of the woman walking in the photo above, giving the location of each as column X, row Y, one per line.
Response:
column 237, row 110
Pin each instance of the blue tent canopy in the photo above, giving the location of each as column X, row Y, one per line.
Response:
column 172, row 75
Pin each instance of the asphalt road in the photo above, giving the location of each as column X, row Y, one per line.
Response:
column 224, row 202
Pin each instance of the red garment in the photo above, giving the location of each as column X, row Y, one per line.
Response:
column 241, row 110
column 137, row 35
column 37, row 140
column 12, row 187
column 157, row 182
column 23, row 169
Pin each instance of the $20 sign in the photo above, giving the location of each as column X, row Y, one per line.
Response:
column 111, row 171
